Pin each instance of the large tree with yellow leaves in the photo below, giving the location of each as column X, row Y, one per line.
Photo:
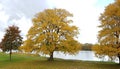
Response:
column 52, row 31
column 109, row 35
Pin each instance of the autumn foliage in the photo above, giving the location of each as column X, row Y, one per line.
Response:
column 109, row 35
column 52, row 31
column 12, row 39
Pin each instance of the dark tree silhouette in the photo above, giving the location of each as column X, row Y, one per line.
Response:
column 12, row 39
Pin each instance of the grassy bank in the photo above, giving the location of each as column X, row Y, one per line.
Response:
column 22, row 61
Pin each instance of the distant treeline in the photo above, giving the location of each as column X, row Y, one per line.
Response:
column 87, row 46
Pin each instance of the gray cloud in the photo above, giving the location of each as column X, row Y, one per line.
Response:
column 20, row 13
column 17, row 8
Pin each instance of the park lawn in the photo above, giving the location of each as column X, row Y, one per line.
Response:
column 25, row 61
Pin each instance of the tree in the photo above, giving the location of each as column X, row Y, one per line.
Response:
column 51, row 31
column 12, row 39
column 87, row 46
column 109, row 35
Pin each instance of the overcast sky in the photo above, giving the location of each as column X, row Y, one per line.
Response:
column 86, row 14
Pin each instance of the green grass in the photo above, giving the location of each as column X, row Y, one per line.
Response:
column 23, row 61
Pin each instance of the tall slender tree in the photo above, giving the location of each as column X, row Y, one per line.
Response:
column 12, row 39
column 109, row 35
column 51, row 31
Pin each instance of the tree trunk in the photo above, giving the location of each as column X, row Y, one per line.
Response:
column 51, row 57
column 119, row 59
column 10, row 54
